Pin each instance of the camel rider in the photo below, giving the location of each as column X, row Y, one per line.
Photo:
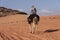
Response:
column 33, row 10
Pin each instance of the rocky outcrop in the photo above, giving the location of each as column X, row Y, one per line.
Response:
column 5, row 11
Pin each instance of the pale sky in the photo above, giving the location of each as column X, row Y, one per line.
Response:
column 44, row 7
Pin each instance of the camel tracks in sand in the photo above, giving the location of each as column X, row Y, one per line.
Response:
column 6, row 36
column 26, row 36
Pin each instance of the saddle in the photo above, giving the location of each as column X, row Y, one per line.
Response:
column 30, row 18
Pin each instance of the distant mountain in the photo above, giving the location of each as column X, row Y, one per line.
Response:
column 5, row 11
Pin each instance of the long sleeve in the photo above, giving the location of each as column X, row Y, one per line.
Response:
column 33, row 10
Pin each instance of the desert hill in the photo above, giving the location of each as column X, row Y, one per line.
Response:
column 7, row 11
column 16, row 27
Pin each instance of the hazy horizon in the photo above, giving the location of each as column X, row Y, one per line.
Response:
column 44, row 7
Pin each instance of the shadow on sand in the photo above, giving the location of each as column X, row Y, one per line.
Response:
column 47, row 31
column 51, row 30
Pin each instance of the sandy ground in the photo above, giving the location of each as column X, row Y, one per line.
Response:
column 16, row 27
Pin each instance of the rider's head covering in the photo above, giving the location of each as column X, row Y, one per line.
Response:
column 33, row 9
column 32, row 6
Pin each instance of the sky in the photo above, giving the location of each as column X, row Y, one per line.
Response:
column 44, row 7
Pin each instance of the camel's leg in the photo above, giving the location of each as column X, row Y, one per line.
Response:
column 33, row 28
column 30, row 27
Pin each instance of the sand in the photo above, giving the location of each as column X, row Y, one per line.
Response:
column 16, row 27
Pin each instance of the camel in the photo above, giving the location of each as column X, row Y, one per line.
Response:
column 33, row 20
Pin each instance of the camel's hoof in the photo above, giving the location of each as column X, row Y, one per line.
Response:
column 32, row 32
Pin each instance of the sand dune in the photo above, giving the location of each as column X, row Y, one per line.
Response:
column 16, row 27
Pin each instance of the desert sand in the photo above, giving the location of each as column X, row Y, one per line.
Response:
column 16, row 27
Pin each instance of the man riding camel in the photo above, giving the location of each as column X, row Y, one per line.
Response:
column 33, row 19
